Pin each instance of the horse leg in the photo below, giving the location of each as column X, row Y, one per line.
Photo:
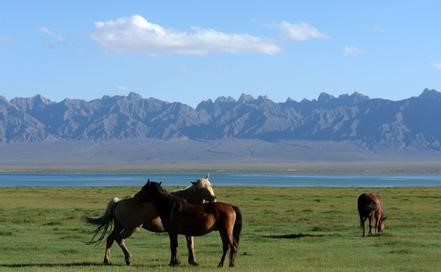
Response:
column 190, row 247
column 224, row 238
column 233, row 251
column 376, row 223
column 109, row 243
column 174, row 260
column 362, row 224
column 371, row 218
column 120, row 240
column 110, row 239
column 232, row 244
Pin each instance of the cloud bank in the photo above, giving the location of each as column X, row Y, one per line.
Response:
column 137, row 35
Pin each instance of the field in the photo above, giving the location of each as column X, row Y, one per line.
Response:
column 285, row 229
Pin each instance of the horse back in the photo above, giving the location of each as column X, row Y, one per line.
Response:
column 131, row 213
column 218, row 208
column 196, row 220
column 214, row 208
column 369, row 204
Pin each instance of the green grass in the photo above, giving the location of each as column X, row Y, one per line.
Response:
column 285, row 229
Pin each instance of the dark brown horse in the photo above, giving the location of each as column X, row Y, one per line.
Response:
column 369, row 207
column 180, row 217
column 128, row 215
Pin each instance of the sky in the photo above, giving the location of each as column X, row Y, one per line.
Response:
column 190, row 51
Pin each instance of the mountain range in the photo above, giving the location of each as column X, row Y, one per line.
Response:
column 355, row 118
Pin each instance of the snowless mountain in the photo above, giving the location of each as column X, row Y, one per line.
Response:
column 355, row 118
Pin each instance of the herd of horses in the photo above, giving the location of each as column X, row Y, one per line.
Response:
column 192, row 211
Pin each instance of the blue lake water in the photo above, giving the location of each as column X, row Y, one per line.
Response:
column 218, row 179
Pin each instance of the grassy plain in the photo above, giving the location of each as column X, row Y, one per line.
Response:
column 285, row 229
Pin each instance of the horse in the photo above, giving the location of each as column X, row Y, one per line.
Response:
column 128, row 215
column 369, row 206
column 178, row 216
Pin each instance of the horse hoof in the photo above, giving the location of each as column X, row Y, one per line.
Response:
column 127, row 262
column 107, row 263
column 193, row 263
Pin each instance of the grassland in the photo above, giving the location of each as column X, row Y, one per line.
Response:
column 285, row 229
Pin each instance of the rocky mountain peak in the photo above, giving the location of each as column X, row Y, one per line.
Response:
column 430, row 94
column 244, row 98
column 352, row 117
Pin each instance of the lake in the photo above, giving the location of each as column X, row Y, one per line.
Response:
column 218, row 179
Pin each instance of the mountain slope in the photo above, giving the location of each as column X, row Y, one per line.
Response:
column 356, row 118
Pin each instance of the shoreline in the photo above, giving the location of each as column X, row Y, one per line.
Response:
column 360, row 167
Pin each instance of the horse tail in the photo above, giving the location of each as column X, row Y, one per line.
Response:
column 103, row 223
column 237, row 224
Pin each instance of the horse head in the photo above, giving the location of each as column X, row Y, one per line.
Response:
column 205, row 188
column 381, row 224
column 148, row 191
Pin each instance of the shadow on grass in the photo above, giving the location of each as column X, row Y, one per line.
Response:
column 75, row 264
column 53, row 264
column 295, row 235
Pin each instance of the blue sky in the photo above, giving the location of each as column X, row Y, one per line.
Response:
column 189, row 51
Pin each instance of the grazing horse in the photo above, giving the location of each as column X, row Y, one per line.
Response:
column 369, row 206
column 180, row 217
column 128, row 215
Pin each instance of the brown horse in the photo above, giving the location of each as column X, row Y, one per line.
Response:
column 180, row 217
column 128, row 215
column 369, row 206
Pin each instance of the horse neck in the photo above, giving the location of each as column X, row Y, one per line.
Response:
column 380, row 212
column 379, row 206
column 190, row 194
column 162, row 203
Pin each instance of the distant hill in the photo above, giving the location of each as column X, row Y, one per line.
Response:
column 351, row 118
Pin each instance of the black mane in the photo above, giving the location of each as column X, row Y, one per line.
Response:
column 168, row 202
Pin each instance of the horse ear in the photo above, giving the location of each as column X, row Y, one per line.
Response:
column 208, row 176
column 148, row 181
column 160, row 182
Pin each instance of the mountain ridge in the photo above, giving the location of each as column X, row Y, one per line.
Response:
column 355, row 117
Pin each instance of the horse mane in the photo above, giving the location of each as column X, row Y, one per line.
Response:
column 182, row 191
column 198, row 183
column 190, row 193
column 189, row 187
column 169, row 201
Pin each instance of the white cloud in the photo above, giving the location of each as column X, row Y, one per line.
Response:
column 300, row 31
column 136, row 34
column 351, row 51
column 437, row 65
column 59, row 38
